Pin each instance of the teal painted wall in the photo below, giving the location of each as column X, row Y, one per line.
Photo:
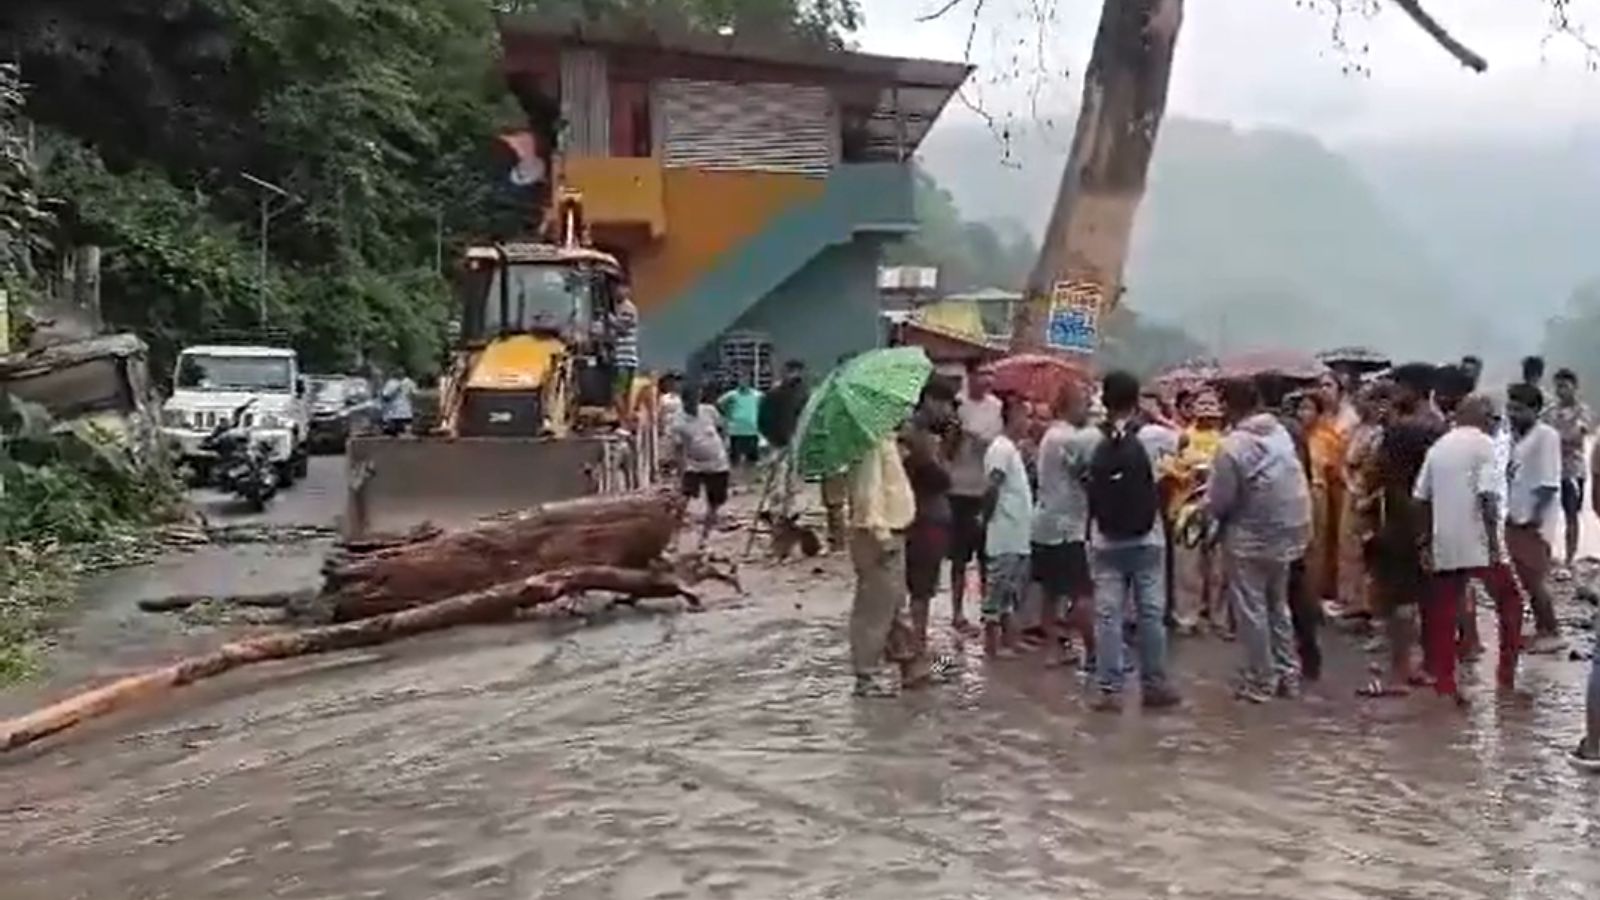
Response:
column 859, row 200
column 827, row 309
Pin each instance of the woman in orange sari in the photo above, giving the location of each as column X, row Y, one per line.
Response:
column 1318, row 413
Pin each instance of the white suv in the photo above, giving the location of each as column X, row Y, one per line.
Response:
column 210, row 382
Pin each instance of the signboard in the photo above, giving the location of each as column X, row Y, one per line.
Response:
column 1074, row 324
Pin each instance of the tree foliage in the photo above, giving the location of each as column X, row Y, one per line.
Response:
column 375, row 117
column 23, row 218
column 816, row 21
column 969, row 255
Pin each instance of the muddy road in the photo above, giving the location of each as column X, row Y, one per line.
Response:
column 656, row 754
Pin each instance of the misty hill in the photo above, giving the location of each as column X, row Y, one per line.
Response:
column 1518, row 221
column 1245, row 239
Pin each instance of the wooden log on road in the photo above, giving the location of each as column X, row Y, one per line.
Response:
column 625, row 531
column 493, row 604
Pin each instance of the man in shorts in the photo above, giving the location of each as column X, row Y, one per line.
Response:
column 1571, row 419
column 979, row 414
column 702, row 454
column 1008, row 519
column 928, row 537
column 1059, row 554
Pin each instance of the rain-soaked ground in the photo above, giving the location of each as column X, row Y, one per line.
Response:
column 664, row 755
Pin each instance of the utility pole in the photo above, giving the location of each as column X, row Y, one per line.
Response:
column 438, row 240
column 270, row 193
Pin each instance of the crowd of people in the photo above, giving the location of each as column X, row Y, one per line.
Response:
column 1253, row 509
column 709, row 432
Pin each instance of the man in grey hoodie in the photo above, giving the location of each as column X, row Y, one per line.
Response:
column 1258, row 498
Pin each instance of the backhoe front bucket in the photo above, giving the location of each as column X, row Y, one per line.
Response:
column 398, row 483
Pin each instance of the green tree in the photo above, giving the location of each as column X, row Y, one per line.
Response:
column 969, row 255
column 23, row 218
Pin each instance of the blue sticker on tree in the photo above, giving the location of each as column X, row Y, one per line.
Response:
column 1074, row 324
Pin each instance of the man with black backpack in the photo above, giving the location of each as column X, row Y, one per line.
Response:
column 1128, row 550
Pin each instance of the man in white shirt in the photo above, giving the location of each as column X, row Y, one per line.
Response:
column 1008, row 520
column 1458, row 489
column 980, row 415
column 1532, row 517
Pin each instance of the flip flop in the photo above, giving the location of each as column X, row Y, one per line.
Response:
column 1378, row 689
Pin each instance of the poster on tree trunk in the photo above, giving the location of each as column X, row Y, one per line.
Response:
column 1074, row 324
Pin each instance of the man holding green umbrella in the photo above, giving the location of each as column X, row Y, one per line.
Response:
column 848, row 427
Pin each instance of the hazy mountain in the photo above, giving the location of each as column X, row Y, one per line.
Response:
column 1518, row 222
column 1246, row 238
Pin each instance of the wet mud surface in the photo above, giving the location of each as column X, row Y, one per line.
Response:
column 657, row 754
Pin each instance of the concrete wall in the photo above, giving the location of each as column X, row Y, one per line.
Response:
column 825, row 310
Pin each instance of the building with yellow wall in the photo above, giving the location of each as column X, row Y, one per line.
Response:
column 748, row 188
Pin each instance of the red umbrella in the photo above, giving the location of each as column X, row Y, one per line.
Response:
column 1186, row 376
column 1036, row 377
column 1288, row 363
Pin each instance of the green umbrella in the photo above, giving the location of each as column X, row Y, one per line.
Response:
column 858, row 405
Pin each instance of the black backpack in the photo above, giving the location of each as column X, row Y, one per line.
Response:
column 1122, row 486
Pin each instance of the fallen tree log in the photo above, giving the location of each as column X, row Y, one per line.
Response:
column 492, row 604
column 625, row 531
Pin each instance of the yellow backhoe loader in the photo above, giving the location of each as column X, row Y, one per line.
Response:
column 526, row 410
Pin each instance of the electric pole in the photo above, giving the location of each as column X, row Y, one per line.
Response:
column 270, row 194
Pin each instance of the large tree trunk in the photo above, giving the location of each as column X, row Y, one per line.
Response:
column 493, row 604
column 1124, row 97
column 629, row 531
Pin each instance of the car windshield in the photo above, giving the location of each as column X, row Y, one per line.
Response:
column 330, row 391
column 536, row 296
column 211, row 372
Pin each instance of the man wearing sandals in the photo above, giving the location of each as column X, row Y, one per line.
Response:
column 1459, row 495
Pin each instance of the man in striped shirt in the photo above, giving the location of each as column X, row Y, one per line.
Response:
column 625, row 347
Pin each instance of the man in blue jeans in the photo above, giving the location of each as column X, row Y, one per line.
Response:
column 1127, row 551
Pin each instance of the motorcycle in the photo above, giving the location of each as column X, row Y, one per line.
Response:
column 241, row 466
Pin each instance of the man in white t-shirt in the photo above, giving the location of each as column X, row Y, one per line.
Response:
column 980, row 416
column 1458, row 488
column 1532, row 508
column 1008, row 528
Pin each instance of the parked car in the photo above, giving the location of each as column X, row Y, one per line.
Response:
column 210, row 382
column 341, row 405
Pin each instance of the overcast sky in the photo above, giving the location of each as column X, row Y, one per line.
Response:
column 1274, row 62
